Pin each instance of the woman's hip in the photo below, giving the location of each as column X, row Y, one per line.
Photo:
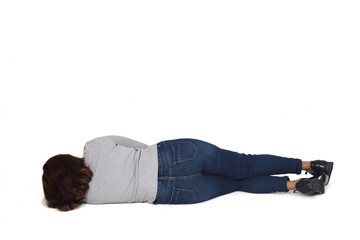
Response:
column 183, row 156
column 181, row 178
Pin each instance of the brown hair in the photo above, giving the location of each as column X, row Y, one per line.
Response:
column 65, row 181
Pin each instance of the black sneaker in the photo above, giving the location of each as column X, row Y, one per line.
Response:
column 322, row 168
column 310, row 186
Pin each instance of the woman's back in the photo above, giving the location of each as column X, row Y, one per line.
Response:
column 124, row 170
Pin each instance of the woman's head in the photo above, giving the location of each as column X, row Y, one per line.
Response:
column 65, row 181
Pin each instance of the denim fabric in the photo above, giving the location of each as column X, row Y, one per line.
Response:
column 192, row 171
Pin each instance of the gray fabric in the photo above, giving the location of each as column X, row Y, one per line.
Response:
column 124, row 170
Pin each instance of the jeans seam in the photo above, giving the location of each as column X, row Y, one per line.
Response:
column 160, row 164
column 186, row 176
column 179, row 177
column 170, row 173
column 169, row 159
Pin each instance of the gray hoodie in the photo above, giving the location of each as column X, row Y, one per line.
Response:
column 124, row 170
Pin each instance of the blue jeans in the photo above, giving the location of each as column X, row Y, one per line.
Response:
column 192, row 171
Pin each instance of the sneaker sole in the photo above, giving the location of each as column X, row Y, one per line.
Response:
column 329, row 168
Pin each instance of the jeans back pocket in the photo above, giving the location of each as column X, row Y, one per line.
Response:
column 182, row 196
column 185, row 151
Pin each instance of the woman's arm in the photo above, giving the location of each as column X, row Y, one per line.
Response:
column 124, row 141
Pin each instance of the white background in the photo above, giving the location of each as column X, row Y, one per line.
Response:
column 274, row 77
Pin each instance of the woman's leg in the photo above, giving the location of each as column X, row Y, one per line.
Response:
column 291, row 185
column 264, row 184
column 204, row 187
column 240, row 166
column 189, row 156
column 192, row 171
